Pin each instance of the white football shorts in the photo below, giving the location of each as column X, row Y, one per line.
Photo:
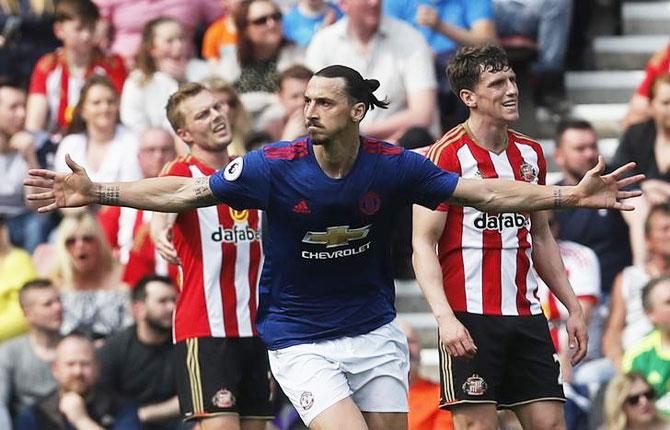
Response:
column 372, row 368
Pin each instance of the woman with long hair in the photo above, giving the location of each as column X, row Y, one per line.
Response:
column 262, row 51
column 238, row 116
column 96, row 140
column 94, row 297
column 629, row 404
column 163, row 63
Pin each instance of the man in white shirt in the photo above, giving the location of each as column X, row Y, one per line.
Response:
column 390, row 50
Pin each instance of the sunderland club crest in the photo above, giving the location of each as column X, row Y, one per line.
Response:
column 475, row 386
column 223, row 399
column 528, row 172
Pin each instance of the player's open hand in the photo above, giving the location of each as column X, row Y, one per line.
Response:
column 60, row 190
column 606, row 191
column 578, row 337
column 456, row 339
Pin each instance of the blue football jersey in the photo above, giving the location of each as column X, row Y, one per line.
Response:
column 326, row 271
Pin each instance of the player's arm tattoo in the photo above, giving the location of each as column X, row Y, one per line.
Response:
column 558, row 201
column 108, row 194
column 203, row 194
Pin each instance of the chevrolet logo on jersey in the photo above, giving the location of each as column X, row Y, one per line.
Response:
column 336, row 236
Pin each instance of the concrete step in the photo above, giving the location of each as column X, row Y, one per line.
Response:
column 646, row 17
column 425, row 326
column 408, row 297
column 606, row 118
column 602, row 86
column 626, row 52
column 430, row 364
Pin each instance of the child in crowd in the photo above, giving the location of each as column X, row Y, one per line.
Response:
column 163, row 62
column 59, row 76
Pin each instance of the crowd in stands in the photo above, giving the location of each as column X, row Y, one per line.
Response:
column 90, row 79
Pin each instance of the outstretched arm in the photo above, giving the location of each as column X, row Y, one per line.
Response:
column 165, row 194
column 593, row 191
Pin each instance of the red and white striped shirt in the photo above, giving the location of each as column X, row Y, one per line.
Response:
column 51, row 77
column 221, row 255
column 583, row 270
column 127, row 230
column 486, row 258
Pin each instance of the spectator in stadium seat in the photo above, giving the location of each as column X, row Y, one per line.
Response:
column 629, row 404
column 262, row 52
column 163, row 63
column 576, row 151
column 94, row 298
column 27, row 34
column 138, row 362
column 221, row 36
column 627, row 322
column 390, row 50
column 639, row 105
column 583, row 270
column 123, row 21
column 95, row 137
column 25, row 373
column 239, row 118
column 77, row 403
column 284, row 120
column 605, row 232
column 648, row 144
column 59, row 76
column 547, row 21
column 307, row 17
column 17, row 154
column 127, row 229
column 16, row 268
column 446, row 25
column 649, row 357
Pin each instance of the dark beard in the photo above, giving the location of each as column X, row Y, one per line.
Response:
column 158, row 327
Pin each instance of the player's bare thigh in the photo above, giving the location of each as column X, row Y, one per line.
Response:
column 345, row 414
column 475, row 417
column 386, row 420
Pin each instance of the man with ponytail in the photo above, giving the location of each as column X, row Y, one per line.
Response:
column 326, row 295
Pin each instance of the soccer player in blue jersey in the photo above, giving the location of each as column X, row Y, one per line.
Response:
column 326, row 310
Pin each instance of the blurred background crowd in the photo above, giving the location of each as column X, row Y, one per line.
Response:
column 91, row 78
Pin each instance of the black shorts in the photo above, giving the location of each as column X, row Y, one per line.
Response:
column 217, row 376
column 516, row 363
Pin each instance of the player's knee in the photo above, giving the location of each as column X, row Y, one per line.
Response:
column 547, row 422
column 475, row 418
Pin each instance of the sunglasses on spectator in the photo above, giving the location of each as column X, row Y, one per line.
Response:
column 87, row 238
column 635, row 399
column 263, row 20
